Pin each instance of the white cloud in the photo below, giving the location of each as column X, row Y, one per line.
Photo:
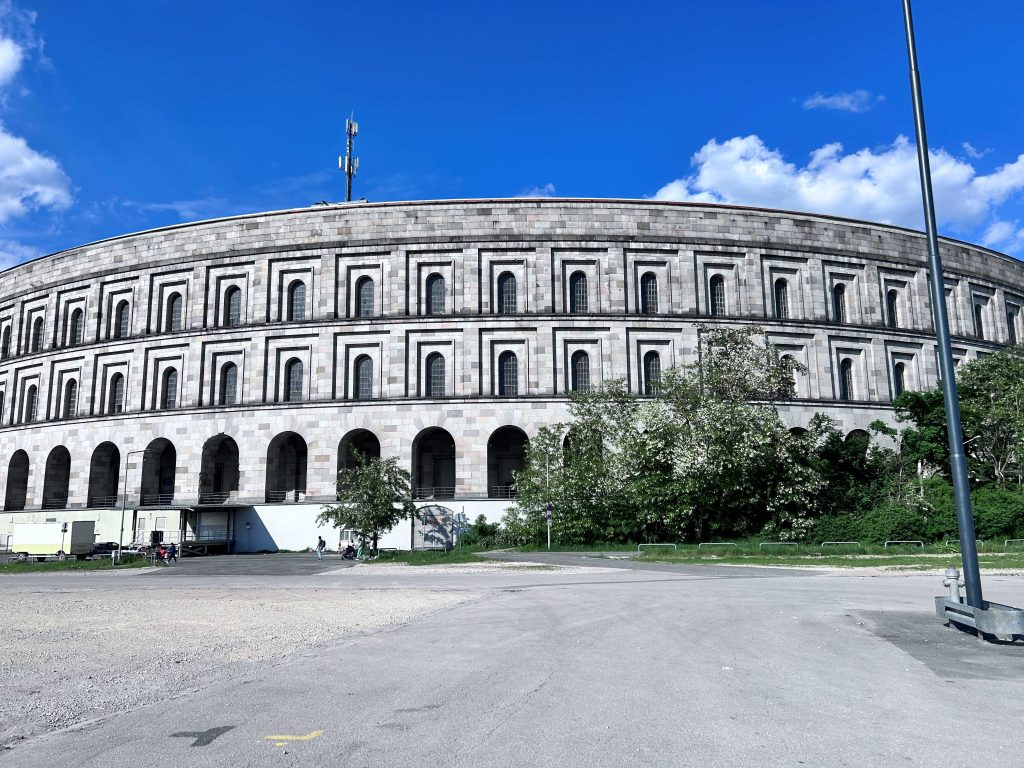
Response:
column 11, row 55
column 850, row 101
column 29, row 179
column 13, row 252
column 876, row 184
column 548, row 190
column 1004, row 236
column 186, row 210
column 972, row 152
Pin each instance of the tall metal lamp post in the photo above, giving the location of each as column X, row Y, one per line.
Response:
column 1000, row 621
column 124, row 496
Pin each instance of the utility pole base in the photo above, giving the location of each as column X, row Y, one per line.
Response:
column 993, row 622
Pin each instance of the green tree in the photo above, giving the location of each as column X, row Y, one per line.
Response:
column 373, row 497
column 991, row 396
column 700, row 460
column 991, row 391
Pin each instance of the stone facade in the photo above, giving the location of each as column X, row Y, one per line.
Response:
column 129, row 342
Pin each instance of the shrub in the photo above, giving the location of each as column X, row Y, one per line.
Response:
column 998, row 512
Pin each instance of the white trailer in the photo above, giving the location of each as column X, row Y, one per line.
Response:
column 53, row 540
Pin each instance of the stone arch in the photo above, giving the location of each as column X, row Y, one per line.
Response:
column 433, row 464
column 357, row 440
column 506, row 455
column 104, row 471
column 859, row 439
column 218, row 474
column 159, row 464
column 57, row 478
column 17, row 481
column 286, row 468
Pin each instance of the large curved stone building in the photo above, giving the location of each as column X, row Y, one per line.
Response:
column 212, row 377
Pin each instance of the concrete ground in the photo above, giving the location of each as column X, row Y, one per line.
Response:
column 623, row 664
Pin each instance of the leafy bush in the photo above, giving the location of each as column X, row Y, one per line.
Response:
column 998, row 512
column 480, row 533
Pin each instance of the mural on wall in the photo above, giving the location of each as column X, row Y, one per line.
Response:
column 437, row 527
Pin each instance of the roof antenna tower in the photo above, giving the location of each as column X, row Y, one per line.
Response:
column 348, row 163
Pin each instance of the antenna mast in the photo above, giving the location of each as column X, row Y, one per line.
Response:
column 348, row 163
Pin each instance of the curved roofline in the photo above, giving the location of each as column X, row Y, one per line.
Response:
column 524, row 200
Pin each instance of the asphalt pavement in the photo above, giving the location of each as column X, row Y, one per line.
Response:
column 623, row 665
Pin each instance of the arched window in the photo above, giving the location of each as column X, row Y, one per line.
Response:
column 892, row 318
column 435, row 379
column 363, row 389
column 649, row 294
column 716, row 297
column 979, row 320
column 580, row 372
column 781, row 299
column 76, row 328
column 232, row 306
column 37, row 335
column 229, row 384
column 115, row 401
column 899, row 378
column 174, row 312
column 839, row 303
column 846, row 379
column 122, row 320
column 435, row 295
column 506, row 294
column 70, row 399
column 508, row 374
column 31, row 404
column 293, row 380
column 364, row 297
column 297, row 300
column 652, row 374
column 5, row 344
column 579, row 300
column 169, row 396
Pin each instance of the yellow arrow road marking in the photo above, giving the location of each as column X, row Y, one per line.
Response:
column 280, row 741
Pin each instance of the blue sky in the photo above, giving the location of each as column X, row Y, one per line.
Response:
column 120, row 116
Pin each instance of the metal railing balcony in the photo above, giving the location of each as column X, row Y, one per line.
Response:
column 157, row 500
column 103, row 502
column 434, row 492
column 214, row 497
column 286, row 497
column 56, row 502
column 501, row 492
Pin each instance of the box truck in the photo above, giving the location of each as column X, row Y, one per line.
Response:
column 53, row 540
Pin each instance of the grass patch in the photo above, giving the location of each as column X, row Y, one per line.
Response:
column 749, row 553
column 74, row 565
column 458, row 555
column 601, row 547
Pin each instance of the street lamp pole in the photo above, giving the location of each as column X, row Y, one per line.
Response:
column 947, row 369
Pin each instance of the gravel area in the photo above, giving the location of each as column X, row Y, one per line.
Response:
column 71, row 655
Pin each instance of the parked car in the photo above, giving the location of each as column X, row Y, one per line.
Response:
column 104, row 548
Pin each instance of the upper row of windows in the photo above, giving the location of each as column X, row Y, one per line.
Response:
column 507, row 303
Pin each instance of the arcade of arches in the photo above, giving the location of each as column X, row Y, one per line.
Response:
column 434, row 469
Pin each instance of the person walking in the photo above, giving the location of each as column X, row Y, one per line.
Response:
column 321, row 545
column 172, row 553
